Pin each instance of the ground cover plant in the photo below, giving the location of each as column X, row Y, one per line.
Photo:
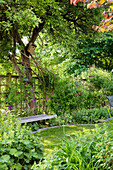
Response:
column 83, row 116
column 18, row 147
column 92, row 149
column 91, row 115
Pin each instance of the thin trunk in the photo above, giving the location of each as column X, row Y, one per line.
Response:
column 28, row 77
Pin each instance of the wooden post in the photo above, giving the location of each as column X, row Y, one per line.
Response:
column 16, row 92
column 8, row 80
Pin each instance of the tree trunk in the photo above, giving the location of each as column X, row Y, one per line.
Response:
column 28, row 81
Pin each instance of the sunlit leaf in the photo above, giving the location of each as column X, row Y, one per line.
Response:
column 110, row 26
column 101, row 2
column 108, row 15
column 107, row 23
column 92, row 5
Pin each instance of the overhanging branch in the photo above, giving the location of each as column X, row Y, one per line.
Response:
column 36, row 31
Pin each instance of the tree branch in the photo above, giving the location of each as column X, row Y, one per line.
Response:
column 13, row 60
column 36, row 31
column 19, row 39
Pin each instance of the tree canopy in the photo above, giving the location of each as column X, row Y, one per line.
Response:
column 53, row 22
column 107, row 23
column 90, row 51
column 57, row 20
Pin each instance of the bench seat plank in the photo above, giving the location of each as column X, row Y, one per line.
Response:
column 36, row 118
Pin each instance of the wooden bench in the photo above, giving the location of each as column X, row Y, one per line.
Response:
column 36, row 118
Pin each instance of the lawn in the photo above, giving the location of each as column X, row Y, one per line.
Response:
column 53, row 136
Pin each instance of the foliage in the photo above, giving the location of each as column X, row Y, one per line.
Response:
column 63, row 99
column 28, row 20
column 48, row 24
column 19, row 149
column 91, row 115
column 72, row 94
column 82, row 116
column 43, row 23
column 107, row 23
column 34, row 126
column 90, row 51
column 92, row 150
column 102, row 82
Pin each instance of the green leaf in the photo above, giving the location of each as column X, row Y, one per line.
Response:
column 15, row 152
column 4, row 158
column 26, row 142
column 3, row 166
column 18, row 166
column 2, row 2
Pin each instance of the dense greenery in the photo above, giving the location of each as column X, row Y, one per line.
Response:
column 19, row 149
column 91, row 150
column 72, row 94
column 51, row 26
column 90, row 51
column 39, row 22
column 65, row 47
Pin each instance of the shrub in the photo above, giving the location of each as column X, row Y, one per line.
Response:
column 88, row 150
column 34, row 126
column 18, row 147
column 74, row 93
column 84, row 116
column 103, row 80
column 90, row 115
column 68, row 96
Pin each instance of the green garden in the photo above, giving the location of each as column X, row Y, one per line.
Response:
column 56, row 62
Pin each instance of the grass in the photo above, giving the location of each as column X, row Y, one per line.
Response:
column 52, row 137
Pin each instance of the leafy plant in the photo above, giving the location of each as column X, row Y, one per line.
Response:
column 33, row 126
column 84, row 116
column 91, row 115
column 92, row 150
column 18, row 147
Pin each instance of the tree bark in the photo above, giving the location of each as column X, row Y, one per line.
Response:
column 26, row 60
